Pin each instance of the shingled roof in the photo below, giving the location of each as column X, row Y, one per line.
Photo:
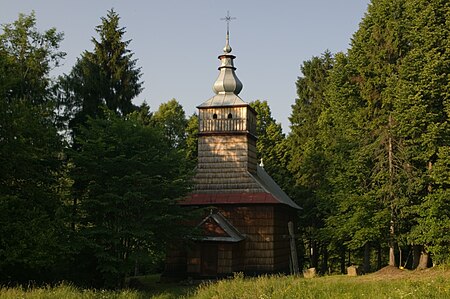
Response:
column 257, row 188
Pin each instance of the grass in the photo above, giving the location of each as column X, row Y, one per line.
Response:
column 388, row 284
column 149, row 288
column 410, row 284
column 66, row 292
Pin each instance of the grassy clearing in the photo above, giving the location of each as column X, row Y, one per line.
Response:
column 388, row 284
column 408, row 285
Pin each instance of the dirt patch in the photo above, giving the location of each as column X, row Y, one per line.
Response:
column 390, row 272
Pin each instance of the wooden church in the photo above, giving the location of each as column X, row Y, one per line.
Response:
column 245, row 227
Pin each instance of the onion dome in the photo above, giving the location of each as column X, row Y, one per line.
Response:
column 227, row 85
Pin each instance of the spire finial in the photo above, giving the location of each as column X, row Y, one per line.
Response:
column 228, row 18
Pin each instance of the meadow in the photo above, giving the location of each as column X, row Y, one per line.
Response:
column 387, row 283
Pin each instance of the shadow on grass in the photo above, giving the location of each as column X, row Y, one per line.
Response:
column 151, row 286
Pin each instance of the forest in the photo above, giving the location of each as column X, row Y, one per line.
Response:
column 89, row 182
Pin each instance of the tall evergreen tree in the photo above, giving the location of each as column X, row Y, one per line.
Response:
column 106, row 76
column 308, row 162
column 395, row 89
column 421, row 113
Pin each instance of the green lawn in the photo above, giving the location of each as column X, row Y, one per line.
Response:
column 394, row 284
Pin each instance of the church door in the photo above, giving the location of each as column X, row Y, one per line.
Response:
column 209, row 260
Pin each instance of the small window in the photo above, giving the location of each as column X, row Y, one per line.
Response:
column 230, row 115
column 214, row 116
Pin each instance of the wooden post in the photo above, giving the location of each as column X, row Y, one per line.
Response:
column 293, row 248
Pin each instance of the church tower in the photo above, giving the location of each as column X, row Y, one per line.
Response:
column 227, row 135
column 245, row 226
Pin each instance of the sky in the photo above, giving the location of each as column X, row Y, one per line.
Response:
column 177, row 43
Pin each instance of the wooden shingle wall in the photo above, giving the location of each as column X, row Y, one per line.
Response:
column 223, row 162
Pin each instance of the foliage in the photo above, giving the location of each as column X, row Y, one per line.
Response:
column 367, row 129
column 27, row 57
column 271, row 145
column 171, row 119
column 422, row 112
column 309, row 162
column 32, row 228
column 192, row 138
column 131, row 178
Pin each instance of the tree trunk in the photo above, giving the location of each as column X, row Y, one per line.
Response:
column 379, row 257
column 314, row 255
column 294, row 257
column 349, row 262
column 136, row 268
column 324, row 268
column 74, row 213
column 391, row 256
column 423, row 261
column 301, row 251
column 391, row 198
column 367, row 258
column 343, row 260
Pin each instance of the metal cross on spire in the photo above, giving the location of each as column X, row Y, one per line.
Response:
column 228, row 19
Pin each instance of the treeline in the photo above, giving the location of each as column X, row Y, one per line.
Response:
column 88, row 181
column 370, row 142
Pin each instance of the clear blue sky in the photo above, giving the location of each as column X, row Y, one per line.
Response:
column 177, row 42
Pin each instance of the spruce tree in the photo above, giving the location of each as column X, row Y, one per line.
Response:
column 308, row 163
column 107, row 76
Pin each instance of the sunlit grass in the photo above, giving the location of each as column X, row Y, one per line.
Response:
column 429, row 284
column 327, row 287
column 66, row 292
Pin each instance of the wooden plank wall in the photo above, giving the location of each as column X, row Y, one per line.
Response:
column 262, row 245
column 282, row 215
column 175, row 264
column 225, row 258
column 193, row 259
column 228, row 259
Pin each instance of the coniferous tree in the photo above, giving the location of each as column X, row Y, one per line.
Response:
column 308, row 163
column 106, row 76
column 394, row 95
column 421, row 113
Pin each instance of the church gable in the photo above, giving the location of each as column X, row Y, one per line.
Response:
column 215, row 227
